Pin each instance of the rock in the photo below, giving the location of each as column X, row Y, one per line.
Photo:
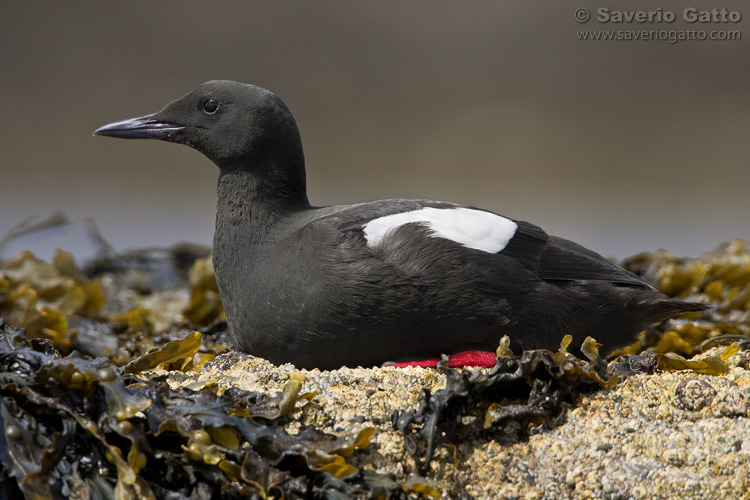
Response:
column 663, row 436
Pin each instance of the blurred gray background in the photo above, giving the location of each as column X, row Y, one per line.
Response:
column 621, row 146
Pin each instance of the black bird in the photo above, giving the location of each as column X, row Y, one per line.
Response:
column 391, row 280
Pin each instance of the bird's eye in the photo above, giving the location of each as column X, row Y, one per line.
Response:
column 210, row 106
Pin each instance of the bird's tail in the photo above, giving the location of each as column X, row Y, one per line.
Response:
column 669, row 308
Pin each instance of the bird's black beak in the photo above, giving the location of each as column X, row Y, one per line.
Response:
column 143, row 127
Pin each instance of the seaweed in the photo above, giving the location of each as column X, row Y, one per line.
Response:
column 720, row 278
column 82, row 427
column 529, row 391
column 116, row 307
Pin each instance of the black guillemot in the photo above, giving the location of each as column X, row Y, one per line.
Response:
column 392, row 280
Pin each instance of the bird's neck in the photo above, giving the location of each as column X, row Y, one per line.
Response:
column 250, row 201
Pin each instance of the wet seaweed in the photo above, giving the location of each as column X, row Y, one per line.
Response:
column 525, row 392
column 720, row 278
column 80, row 427
column 119, row 307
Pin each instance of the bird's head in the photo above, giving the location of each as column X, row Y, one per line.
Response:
column 231, row 123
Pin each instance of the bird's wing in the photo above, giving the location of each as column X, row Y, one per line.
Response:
column 423, row 223
column 548, row 258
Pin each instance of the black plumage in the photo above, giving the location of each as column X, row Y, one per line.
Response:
column 309, row 285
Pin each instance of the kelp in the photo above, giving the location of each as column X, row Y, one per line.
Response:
column 529, row 391
column 115, row 305
column 170, row 352
column 711, row 365
column 80, row 427
column 720, row 278
column 649, row 362
column 41, row 296
column 205, row 304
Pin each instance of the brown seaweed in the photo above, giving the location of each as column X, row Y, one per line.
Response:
column 530, row 390
column 77, row 426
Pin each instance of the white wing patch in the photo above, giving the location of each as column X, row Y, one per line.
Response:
column 471, row 228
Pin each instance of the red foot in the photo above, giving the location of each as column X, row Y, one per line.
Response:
column 466, row 358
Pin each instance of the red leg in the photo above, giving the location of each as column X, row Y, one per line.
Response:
column 466, row 358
